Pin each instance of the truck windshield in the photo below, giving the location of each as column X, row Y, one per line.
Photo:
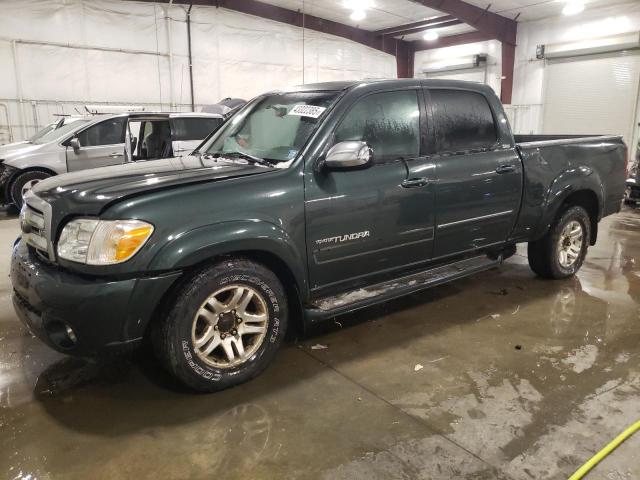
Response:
column 272, row 128
column 59, row 132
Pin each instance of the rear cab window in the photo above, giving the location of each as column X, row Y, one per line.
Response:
column 193, row 128
column 464, row 121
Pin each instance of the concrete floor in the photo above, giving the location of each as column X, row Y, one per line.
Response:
column 522, row 379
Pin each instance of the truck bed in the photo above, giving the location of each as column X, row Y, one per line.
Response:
column 555, row 165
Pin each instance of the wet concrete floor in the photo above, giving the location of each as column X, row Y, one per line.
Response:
column 522, row 379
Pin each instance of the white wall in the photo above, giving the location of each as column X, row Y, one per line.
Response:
column 492, row 48
column 528, row 93
column 57, row 55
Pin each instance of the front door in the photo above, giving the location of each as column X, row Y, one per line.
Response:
column 365, row 223
column 479, row 182
column 101, row 144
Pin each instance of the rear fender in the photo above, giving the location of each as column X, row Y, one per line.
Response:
column 570, row 181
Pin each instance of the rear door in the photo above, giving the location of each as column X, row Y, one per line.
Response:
column 366, row 223
column 101, row 144
column 479, row 177
column 188, row 132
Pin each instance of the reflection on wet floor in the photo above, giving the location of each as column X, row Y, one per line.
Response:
column 522, row 378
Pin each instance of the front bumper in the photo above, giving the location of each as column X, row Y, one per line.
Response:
column 102, row 314
column 6, row 173
column 632, row 191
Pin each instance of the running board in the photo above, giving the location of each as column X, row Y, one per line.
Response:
column 399, row 287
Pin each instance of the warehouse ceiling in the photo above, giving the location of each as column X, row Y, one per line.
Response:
column 383, row 13
column 389, row 13
column 536, row 9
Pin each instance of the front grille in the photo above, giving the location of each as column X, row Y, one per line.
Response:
column 36, row 223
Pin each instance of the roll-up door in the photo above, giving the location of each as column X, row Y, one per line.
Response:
column 477, row 74
column 592, row 94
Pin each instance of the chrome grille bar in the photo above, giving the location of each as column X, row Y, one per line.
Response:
column 35, row 221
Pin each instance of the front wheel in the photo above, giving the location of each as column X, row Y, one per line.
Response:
column 23, row 183
column 224, row 327
column 561, row 252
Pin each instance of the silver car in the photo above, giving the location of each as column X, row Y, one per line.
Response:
column 99, row 141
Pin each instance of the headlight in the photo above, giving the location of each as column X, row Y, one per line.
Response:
column 102, row 242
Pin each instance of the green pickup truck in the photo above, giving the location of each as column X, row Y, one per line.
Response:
column 311, row 202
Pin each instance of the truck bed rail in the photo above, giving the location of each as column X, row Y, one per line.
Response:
column 533, row 141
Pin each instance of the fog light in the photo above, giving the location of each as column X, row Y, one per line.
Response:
column 71, row 334
column 61, row 334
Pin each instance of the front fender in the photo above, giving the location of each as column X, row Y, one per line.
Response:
column 568, row 182
column 190, row 248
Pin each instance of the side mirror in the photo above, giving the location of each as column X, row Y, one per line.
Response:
column 75, row 144
column 351, row 154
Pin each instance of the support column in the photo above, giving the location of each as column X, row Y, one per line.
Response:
column 404, row 59
column 508, row 67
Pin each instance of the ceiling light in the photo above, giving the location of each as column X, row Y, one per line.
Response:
column 357, row 15
column 431, row 36
column 573, row 7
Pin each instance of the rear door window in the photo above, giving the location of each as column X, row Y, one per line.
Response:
column 107, row 132
column 193, row 128
column 389, row 122
column 464, row 121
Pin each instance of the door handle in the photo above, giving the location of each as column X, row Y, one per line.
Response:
column 505, row 169
column 116, row 155
column 415, row 182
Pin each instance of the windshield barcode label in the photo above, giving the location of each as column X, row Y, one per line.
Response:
column 312, row 111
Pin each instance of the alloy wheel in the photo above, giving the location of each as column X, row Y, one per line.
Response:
column 230, row 326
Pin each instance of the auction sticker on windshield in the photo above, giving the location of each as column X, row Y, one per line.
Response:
column 312, row 111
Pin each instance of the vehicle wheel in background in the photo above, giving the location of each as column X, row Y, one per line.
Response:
column 23, row 183
column 224, row 325
column 560, row 253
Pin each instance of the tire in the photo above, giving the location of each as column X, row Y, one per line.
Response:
column 23, row 181
column 545, row 257
column 193, row 317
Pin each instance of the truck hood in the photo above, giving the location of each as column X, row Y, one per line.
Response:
column 89, row 191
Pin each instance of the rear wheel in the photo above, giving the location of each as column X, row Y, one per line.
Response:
column 561, row 252
column 23, row 183
column 224, row 327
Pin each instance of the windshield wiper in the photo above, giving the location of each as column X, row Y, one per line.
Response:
column 244, row 156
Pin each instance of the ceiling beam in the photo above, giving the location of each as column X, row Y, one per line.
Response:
column 489, row 23
column 296, row 18
column 423, row 23
column 408, row 31
column 451, row 40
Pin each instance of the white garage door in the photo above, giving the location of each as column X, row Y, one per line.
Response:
column 470, row 75
column 594, row 94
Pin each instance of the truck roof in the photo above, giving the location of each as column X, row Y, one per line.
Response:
column 387, row 83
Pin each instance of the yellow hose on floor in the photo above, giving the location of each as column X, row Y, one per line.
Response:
column 598, row 457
